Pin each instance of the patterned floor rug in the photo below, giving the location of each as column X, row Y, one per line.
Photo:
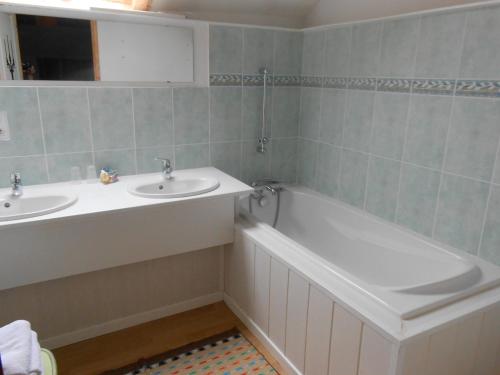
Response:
column 228, row 353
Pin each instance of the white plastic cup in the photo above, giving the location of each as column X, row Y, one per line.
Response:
column 76, row 175
column 91, row 173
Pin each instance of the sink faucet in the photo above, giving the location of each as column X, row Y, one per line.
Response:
column 166, row 169
column 15, row 181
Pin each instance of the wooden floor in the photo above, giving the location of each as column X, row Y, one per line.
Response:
column 127, row 346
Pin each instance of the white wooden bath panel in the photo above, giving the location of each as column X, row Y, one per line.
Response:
column 312, row 334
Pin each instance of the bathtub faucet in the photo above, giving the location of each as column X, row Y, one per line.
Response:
column 270, row 185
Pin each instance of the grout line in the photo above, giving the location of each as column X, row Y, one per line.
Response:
column 372, row 129
column 405, row 142
column 44, row 144
column 134, row 138
column 91, row 132
column 242, row 149
column 407, row 123
column 488, row 200
column 448, row 131
column 174, row 141
column 210, row 150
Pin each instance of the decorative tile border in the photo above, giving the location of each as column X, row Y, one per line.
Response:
column 308, row 81
column 394, row 85
column 475, row 88
column 478, row 88
column 225, row 80
column 256, row 80
column 287, row 81
column 335, row 83
column 434, row 86
column 362, row 83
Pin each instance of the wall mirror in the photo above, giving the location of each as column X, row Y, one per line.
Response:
column 58, row 48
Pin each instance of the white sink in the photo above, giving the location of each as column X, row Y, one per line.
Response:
column 177, row 187
column 32, row 204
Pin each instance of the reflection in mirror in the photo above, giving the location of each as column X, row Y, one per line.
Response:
column 56, row 49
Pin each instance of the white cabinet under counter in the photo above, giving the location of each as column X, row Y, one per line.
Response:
column 109, row 227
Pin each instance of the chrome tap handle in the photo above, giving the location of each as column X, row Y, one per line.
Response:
column 164, row 162
column 166, row 168
column 15, row 178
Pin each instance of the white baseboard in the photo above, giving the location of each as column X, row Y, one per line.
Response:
column 129, row 321
column 262, row 336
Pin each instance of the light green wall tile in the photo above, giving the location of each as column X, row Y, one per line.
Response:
column 192, row 156
column 225, row 114
column 111, row 118
column 65, row 117
column 306, row 165
column 226, row 156
column 365, row 46
column 337, row 53
column 399, row 44
column 285, row 111
column 226, row 49
column 310, row 104
column 481, row 50
column 382, row 187
column 21, row 105
column 353, row 175
column 389, row 124
column 288, row 53
column 473, row 138
column 153, row 117
column 332, row 116
column 417, row 198
column 284, row 160
column 191, row 117
column 490, row 245
column 358, row 122
column 461, row 207
column 258, row 49
column 427, row 128
column 312, row 54
column 439, row 45
column 327, row 169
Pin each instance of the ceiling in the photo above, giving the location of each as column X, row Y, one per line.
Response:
column 287, row 13
column 296, row 13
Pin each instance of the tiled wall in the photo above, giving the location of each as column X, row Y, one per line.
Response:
column 55, row 128
column 402, row 118
column 236, row 57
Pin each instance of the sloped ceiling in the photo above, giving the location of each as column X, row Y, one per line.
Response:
column 288, row 13
column 296, row 13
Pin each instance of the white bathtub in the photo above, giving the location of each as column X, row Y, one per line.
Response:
column 406, row 273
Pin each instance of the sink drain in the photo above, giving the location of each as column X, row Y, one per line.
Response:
column 6, row 204
column 160, row 187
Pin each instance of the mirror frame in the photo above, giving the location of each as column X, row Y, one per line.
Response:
column 200, row 42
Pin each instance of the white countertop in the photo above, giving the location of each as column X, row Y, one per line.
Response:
column 94, row 197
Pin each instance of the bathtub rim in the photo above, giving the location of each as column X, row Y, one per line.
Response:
column 368, row 308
